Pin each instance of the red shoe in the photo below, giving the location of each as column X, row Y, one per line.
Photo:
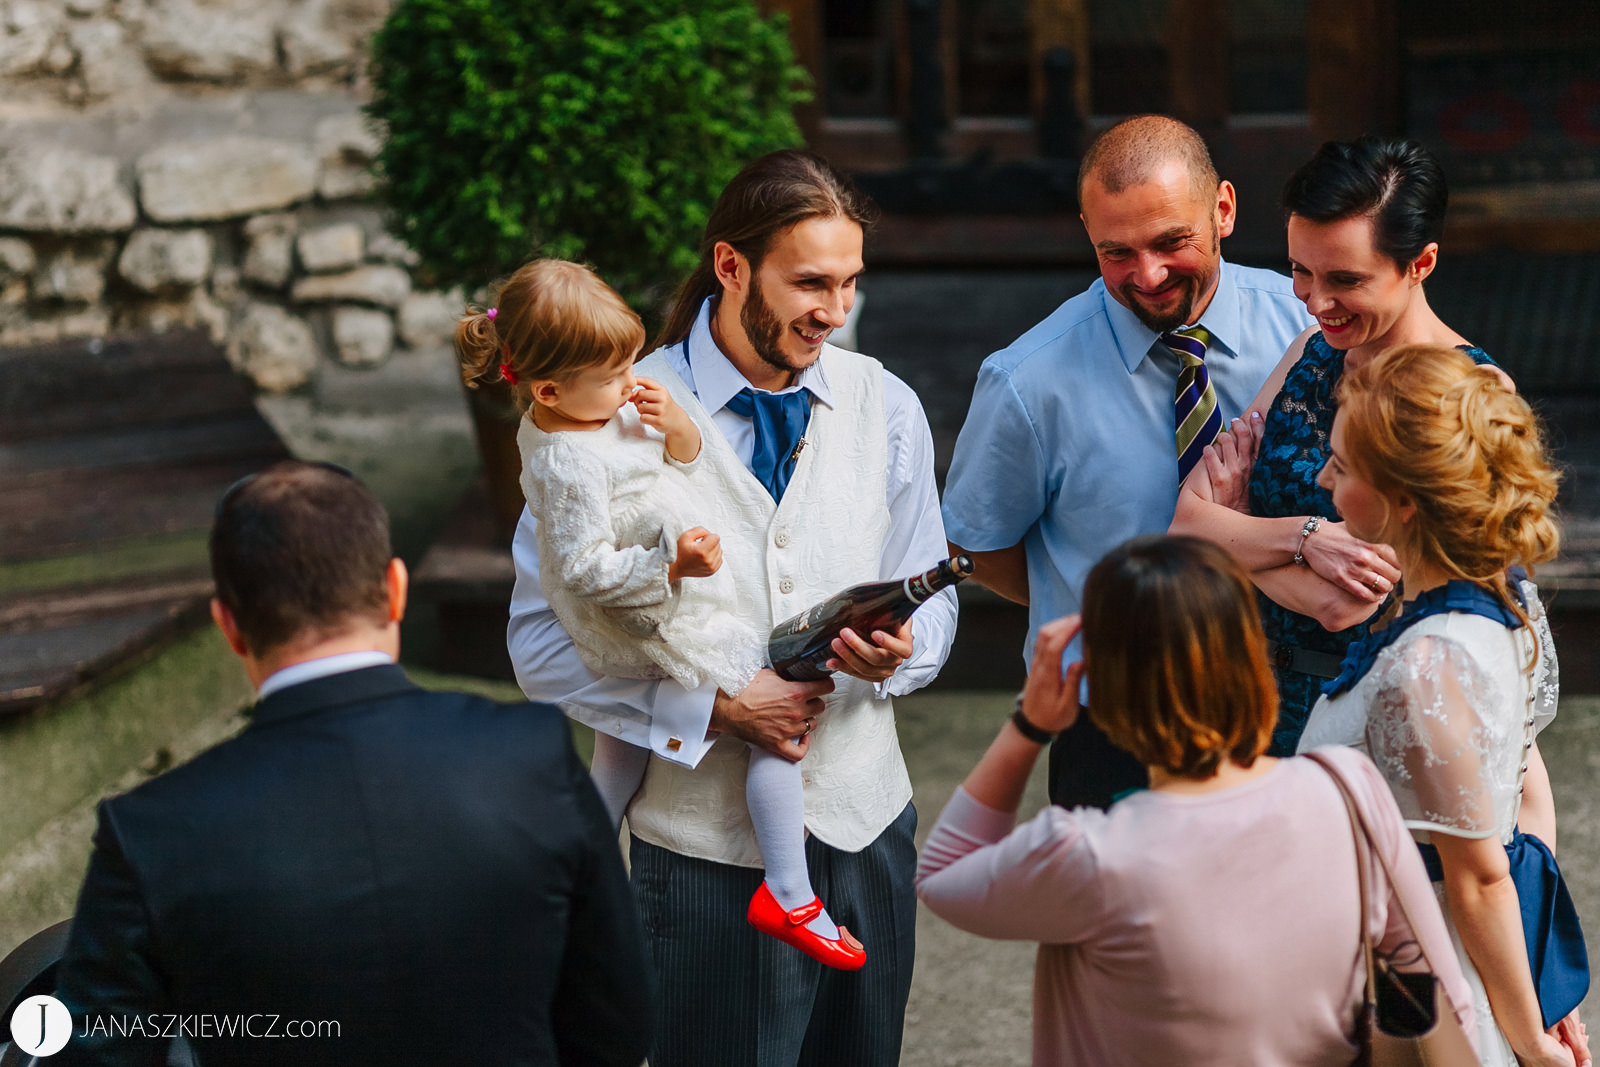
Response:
column 768, row 916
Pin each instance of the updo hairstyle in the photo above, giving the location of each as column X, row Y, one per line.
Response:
column 1427, row 422
column 1397, row 183
column 1176, row 658
column 551, row 320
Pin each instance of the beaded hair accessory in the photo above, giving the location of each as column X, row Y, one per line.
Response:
column 505, row 368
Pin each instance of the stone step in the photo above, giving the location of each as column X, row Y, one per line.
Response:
column 108, row 504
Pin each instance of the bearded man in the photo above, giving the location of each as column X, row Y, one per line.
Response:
column 823, row 466
column 1080, row 432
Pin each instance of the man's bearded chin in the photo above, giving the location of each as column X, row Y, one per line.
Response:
column 1168, row 320
column 764, row 330
column 1193, row 286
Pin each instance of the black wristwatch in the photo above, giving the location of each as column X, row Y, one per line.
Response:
column 1028, row 729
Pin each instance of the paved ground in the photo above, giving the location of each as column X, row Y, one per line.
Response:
column 971, row 999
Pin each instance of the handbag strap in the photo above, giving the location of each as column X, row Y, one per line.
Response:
column 1358, row 832
column 1367, row 845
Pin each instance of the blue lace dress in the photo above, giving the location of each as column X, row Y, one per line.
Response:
column 1294, row 446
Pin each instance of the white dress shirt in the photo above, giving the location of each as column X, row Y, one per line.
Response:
column 305, row 671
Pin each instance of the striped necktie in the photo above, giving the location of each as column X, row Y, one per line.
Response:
column 1194, row 409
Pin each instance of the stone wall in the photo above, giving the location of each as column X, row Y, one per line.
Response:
column 169, row 163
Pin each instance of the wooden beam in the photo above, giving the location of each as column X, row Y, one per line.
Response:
column 1353, row 68
column 805, row 34
column 994, row 240
column 925, row 73
column 1061, row 24
column 1197, row 50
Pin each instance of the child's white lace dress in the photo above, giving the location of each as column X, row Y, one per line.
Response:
column 611, row 504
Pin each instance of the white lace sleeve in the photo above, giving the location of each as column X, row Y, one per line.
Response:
column 1442, row 760
column 1546, row 668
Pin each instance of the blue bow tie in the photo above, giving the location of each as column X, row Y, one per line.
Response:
column 779, row 420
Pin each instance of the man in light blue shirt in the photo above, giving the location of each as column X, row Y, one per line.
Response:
column 1069, row 447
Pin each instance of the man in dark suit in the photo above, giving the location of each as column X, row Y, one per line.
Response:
column 369, row 873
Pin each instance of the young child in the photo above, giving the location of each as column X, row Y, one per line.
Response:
column 609, row 468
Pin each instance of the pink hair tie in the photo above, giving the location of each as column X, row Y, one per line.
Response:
column 492, row 312
column 508, row 374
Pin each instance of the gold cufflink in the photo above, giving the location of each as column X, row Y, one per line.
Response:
column 674, row 743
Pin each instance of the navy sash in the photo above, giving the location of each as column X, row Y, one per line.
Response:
column 1455, row 595
column 1556, row 953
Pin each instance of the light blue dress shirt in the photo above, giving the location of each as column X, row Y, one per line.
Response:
column 1069, row 444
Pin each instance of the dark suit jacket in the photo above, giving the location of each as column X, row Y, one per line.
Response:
column 432, row 873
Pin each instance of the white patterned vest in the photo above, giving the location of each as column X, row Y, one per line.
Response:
column 826, row 535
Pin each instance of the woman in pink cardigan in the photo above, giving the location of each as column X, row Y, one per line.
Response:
column 1214, row 918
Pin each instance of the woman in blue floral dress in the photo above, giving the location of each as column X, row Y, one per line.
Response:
column 1364, row 220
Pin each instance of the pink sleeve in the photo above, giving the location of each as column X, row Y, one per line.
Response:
column 1411, row 882
column 1037, row 882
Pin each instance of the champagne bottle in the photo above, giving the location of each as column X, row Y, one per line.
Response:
column 798, row 647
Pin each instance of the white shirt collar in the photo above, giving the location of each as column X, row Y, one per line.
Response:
column 306, row 670
column 717, row 380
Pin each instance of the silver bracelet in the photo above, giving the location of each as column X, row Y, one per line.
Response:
column 1312, row 525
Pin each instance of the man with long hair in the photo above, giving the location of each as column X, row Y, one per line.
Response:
column 823, row 463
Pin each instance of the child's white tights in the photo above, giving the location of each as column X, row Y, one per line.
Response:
column 776, row 798
column 617, row 770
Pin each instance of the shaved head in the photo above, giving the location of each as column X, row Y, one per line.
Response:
column 1156, row 214
column 1134, row 150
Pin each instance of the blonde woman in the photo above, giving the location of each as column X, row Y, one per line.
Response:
column 1436, row 458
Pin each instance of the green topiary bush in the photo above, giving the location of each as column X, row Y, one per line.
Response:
column 594, row 130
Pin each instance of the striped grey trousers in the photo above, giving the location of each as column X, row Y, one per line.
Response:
column 732, row 997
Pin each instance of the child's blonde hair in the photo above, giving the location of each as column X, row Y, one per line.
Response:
column 551, row 319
